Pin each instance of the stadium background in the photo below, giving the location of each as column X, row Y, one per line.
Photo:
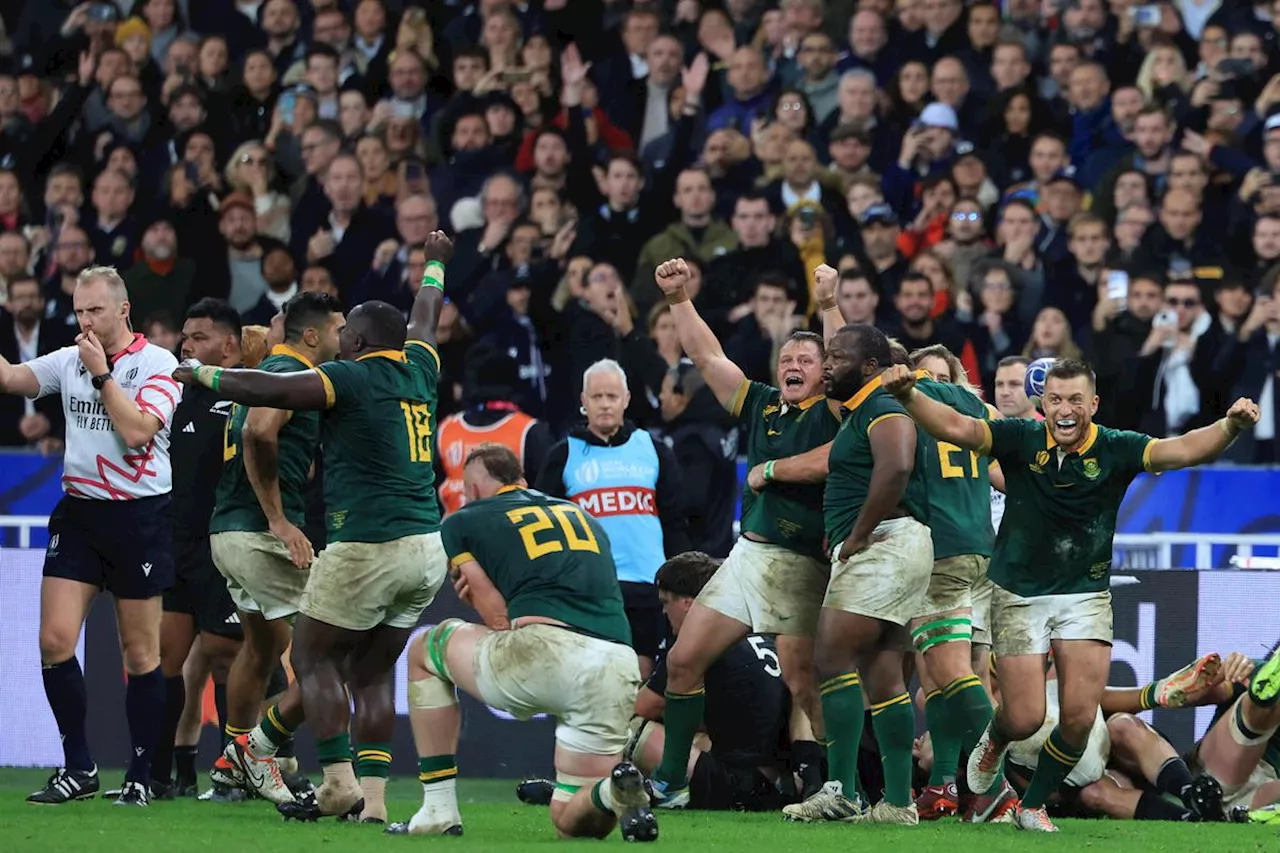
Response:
column 1176, row 596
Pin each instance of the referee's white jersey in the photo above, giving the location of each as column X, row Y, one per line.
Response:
column 96, row 463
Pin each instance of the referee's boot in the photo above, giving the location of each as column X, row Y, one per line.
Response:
column 67, row 785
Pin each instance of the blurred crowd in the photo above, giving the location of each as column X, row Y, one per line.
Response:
column 1041, row 177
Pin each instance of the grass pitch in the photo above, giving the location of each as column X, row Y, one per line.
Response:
column 496, row 823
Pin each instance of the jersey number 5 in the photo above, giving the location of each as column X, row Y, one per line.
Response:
column 540, row 522
column 766, row 654
column 417, row 420
column 946, row 459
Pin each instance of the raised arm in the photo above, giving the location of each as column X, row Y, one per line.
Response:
column 260, row 437
column 426, row 305
column 938, row 419
column 475, row 588
column 699, row 342
column 18, row 379
column 893, row 453
column 1206, row 443
column 304, row 390
column 825, row 279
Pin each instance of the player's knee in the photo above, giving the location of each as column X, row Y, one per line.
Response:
column 1096, row 797
column 830, row 661
column 417, row 656
column 1020, row 722
column 57, row 644
column 141, row 656
column 1125, row 729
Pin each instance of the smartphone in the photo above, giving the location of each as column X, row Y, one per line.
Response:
column 402, row 109
column 182, row 69
column 1235, row 67
column 1118, row 285
column 286, row 104
column 1167, row 317
column 515, row 75
column 1145, row 16
column 807, row 216
column 192, row 171
column 102, row 12
column 413, row 171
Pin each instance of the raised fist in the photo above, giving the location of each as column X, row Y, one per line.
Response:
column 439, row 247
column 671, row 275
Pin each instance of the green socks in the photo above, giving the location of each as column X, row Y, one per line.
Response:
column 434, row 769
column 946, row 742
column 681, row 717
column 842, row 712
column 373, row 759
column 1057, row 757
column 334, row 750
column 894, row 721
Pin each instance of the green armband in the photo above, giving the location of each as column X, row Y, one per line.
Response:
column 433, row 275
column 208, row 376
column 768, row 471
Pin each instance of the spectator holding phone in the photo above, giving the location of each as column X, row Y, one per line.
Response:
column 1260, row 336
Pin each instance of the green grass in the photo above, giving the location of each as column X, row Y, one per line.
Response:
column 496, row 822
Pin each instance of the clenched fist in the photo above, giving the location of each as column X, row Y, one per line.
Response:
column 899, row 380
column 671, row 276
column 439, row 247
column 1243, row 414
column 824, row 283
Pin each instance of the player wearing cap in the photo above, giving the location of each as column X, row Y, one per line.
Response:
column 112, row 529
column 1052, row 561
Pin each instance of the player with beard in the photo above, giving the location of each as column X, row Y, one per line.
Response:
column 1052, row 563
column 875, row 507
column 773, row 580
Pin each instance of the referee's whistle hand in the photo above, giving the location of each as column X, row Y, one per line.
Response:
column 92, row 355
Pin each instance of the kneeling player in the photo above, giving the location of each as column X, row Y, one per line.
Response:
column 555, row 640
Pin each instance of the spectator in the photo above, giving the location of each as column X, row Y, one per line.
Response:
column 731, row 278
column 238, row 227
column 880, row 233
column 917, row 329
column 72, row 253
column 347, row 238
column 251, row 171
column 662, row 331
column 25, row 334
column 1051, row 336
column 1261, row 361
column 1165, row 391
column 749, row 94
column 161, row 280
column 112, row 231
column 819, row 82
column 992, row 323
column 856, row 298
column 280, row 274
column 755, row 343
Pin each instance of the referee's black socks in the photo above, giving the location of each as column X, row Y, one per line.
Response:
column 144, row 708
column 69, row 700
column 174, row 700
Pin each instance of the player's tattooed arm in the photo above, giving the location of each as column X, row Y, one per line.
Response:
column 808, row 467
column 938, row 419
column 304, row 390
column 1206, row 443
column 474, row 588
column 696, row 337
column 893, row 451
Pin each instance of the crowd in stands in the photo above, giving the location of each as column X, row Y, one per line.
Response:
column 1041, row 178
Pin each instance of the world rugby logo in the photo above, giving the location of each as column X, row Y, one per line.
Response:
column 589, row 472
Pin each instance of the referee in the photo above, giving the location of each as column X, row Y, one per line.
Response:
column 198, row 600
column 629, row 482
column 112, row 529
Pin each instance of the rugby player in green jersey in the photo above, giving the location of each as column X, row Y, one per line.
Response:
column 1065, row 479
column 384, row 561
column 957, row 706
column 555, row 639
column 875, row 506
column 773, row 580
column 256, row 529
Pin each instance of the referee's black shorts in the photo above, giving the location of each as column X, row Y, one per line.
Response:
column 200, row 590
column 124, row 547
column 644, row 612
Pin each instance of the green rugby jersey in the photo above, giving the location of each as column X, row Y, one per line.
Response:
column 546, row 556
column 959, row 484
column 786, row 514
column 1060, row 509
column 379, row 484
column 236, row 505
column 849, row 471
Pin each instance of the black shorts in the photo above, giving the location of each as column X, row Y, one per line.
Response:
column 717, row 786
column 200, row 590
column 644, row 612
column 124, row 547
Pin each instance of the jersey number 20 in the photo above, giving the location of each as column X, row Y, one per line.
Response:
column 532, row 521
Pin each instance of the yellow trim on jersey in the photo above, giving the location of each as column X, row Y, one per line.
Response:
column 992, row 412
column 804, row 404
column 505, row 489
column 1088, row 440
column 987, row 440
column 285, row 349
column 884, row 417
column 464, row 557
column 863, row 393
column 393, row 354
column 739, row 397
column 428, row 347
column 1146, row 454
column 330, row 395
